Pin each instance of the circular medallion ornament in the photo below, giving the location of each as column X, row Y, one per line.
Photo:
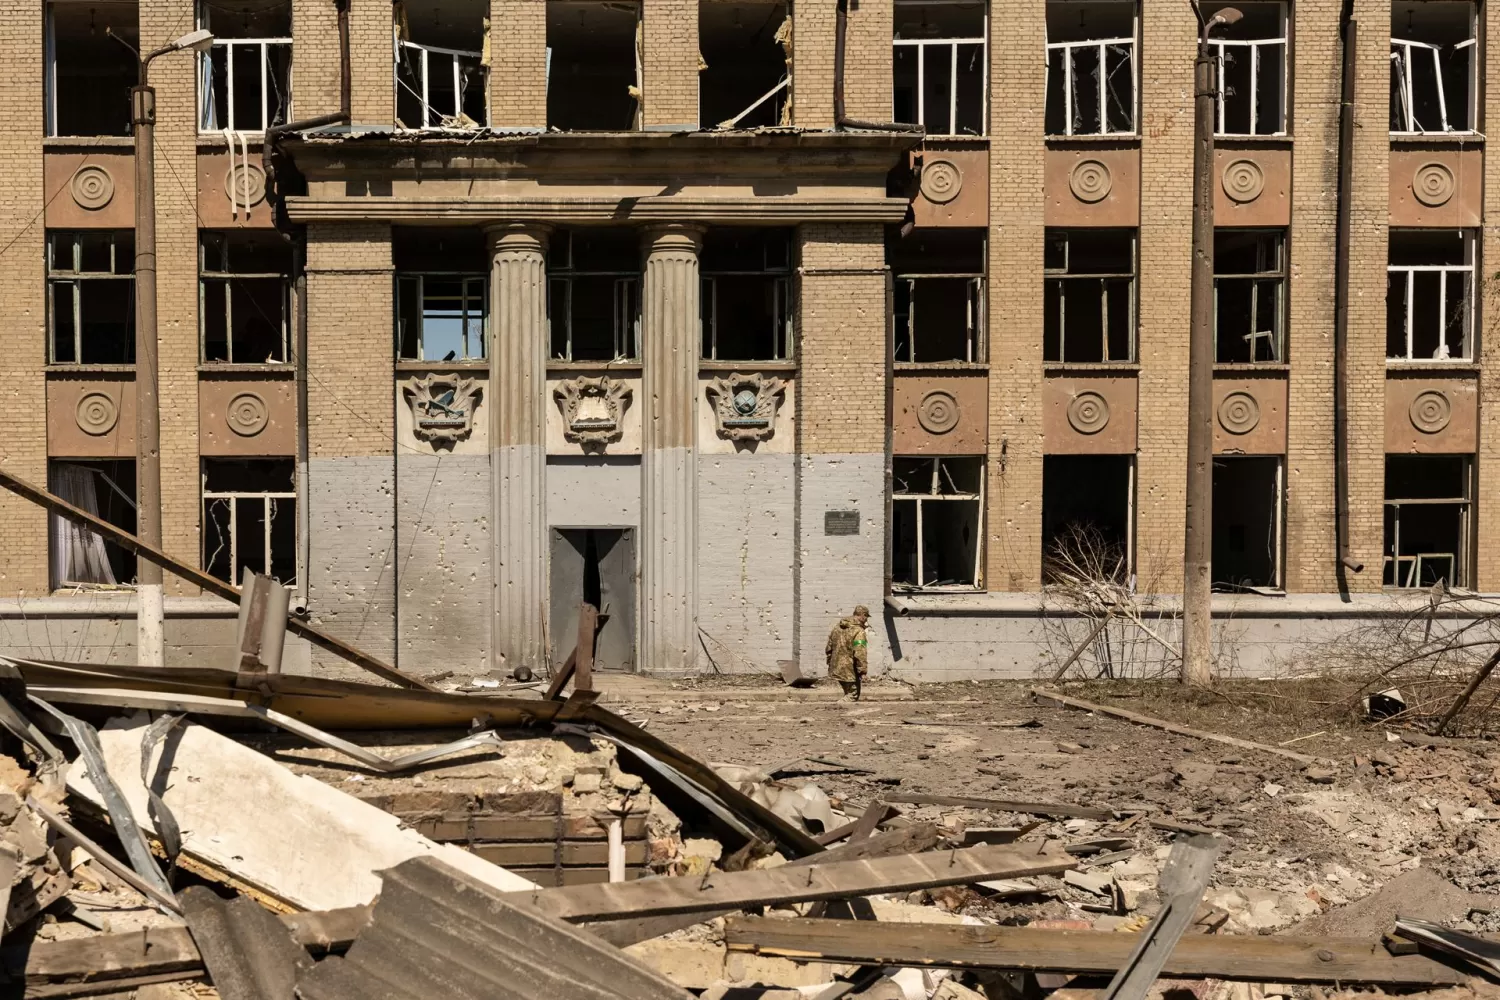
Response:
column 1433, row 184
column 1239, row 413
column 1088, row 413
column 247, row 415
column 92, row 186
column 96, row 414
column 245, row 184
column 938, row 412
column 745, row 402
column 1430, row 411
column 941, row 181
column 1090, row 181
column 1244, row 180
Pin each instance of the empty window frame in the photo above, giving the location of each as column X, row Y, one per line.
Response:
column 1428, row 512
column 937, row 523
column 1251, row 59
column 939, row 295
column 441, row 316
column 106, row 489
column 1249, row 296
column 1429, row 297
column 250, row 518
column 1433, row 71
column 1088, row 518
column 1089, row 296
column 594, row 295
column 244, row 287
column 593, row 65
column 1091, row 75
column 244, row 80
column 941, row 67
column 1248, row 530
column 441, row 81
column 91, row 297
column 88, row 73
column 747, row 295
column 744, row 74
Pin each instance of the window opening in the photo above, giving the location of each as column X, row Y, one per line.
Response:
column 442, row 78
column 106, row 489
column 91, row 297
column 1089, row 295
column 940, row 65
column 593, row 65
column 1251, row 61
column 1429, row 301
column 594, row 294
column 250, row 518
column 442, row 294
column 1433, row 80
column 1249, row 295
column 1247, row 529
column 245, row 78
column 937, row 523
column 745, row 67
column 939, row 295
column 747, row 297
column 1088, row 518
column 244, row 297
column 1091, row 77
column 1427, row 520
column 89, row 74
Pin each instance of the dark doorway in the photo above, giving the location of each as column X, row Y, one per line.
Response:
column 596, row 565
column 1087, row 517
column 1247, row 523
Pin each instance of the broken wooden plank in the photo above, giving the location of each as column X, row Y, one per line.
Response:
column 1001, row 805
column 1258, row 959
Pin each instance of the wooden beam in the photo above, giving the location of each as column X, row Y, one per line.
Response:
column 583, row 667
column 1257, row 959
column 1000, row 805
column 561, row 678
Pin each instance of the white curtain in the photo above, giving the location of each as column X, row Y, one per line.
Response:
column 78, row 555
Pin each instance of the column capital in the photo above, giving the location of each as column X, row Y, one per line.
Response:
column 517, row 236
column 673, row 236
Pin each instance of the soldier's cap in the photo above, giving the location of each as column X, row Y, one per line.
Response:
column 860, row 609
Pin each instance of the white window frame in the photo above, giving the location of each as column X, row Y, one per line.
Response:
column 1102, row 44
column 234, row 498
column 75, row 277
column 1411, row 271
column 428, row 111
column 975, row 313
column 1458, row 562
column 1063, row 275
column 1401, row 54
column 206, row 92
column 1254, row 45
column 952, row 44
column 933, row 496
column 468, row 278
column 1278, row 278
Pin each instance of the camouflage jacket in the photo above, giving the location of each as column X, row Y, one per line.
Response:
column 848, row 650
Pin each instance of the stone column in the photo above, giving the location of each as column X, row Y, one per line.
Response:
column 518, row 444
column 670, row 335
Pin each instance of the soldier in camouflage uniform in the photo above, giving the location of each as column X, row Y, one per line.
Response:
column 848, row 651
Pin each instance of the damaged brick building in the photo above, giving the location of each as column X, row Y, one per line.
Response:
column 605, row 301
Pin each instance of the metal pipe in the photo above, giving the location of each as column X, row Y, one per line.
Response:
column 841, row 29
column 1344, row 227
column 150, row 645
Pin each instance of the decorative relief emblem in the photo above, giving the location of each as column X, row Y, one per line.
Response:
column 593, row 410
column 92, row 186
column 97, row 413
column 1239, row 413
column 1088, row 413
column 1433, row 184
column 247, row 414
column 1431, row 411
column 245, row 184
column 941, row 181
column 1090, row 181
column 938, row 412
column 745, row 405
column 1243, row 180
column 442, row 406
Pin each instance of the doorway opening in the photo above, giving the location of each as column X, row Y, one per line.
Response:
column 596, row 566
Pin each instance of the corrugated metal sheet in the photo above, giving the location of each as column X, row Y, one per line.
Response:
column 437, row 933
column 249, row 954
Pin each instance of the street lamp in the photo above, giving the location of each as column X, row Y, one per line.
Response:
column 1197, row 550
column 150, row 611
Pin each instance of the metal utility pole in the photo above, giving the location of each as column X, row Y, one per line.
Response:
column 1197, row 550
column 150, row 606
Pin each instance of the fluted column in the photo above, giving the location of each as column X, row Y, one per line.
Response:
column 518, row 443
column 670, row 336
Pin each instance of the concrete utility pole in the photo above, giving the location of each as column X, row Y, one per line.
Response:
column 150, row 605
column 1197, row 550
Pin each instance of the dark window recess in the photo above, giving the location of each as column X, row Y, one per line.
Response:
column 440, row 81
column 246, row 76
column 1429, row 300
column 245, row 282
column 1089, row 291
column 1247, row 501
column 939, row 294
column 747, row 300
column 593, row 67
column 106, row 489
column 1087, row 504
column 937, row 523
column 89, row 74
column 250, row 518
column 742, row 82
column 1433, row 55
column 91, row 297
column 939, row 68
column 1249, row 295
column 593, row 294
column 1252, row 83
column 1427, row 520
column 1080, row 37
column 442, row 294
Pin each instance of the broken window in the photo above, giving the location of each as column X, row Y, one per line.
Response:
column 1251, row 77
column 89, row 74
column 593, row 65
column 1090, row 296
column 937, row 523
column 747, row 295
column 441, row 81
column 1247, row 530
column 244, row 80
column 594, row 294
column 1090, row 67
column 1429, row 308
column 940, row 66
column 1427, row 512
column 939, row 295
column 250, row 518
column 442, row 294
column 744, row 73
column 1249, row 295
column 91, row 297
column 1433, row 54
column 1088, row 520
column 106, row 489
column 244, row 284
